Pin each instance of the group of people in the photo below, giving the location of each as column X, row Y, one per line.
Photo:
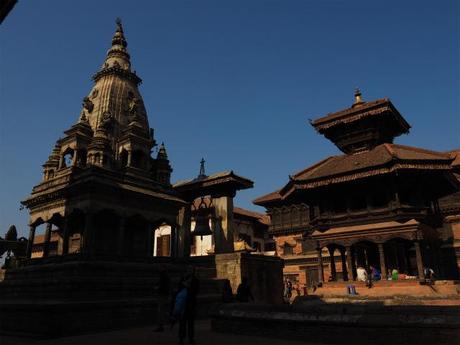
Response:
column 290, row 288
column 179, row 305
column 368, row 275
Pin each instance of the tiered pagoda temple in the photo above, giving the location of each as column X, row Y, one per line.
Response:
column 374, row 205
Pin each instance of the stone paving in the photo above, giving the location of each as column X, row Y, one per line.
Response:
column 145, row 335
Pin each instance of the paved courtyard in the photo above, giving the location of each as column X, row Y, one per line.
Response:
column 145, row 335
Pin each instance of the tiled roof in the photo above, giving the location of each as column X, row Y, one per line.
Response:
column 267, row 198
column 379, row 156
column 381, row 160
column 358, row 112
column 263, row 218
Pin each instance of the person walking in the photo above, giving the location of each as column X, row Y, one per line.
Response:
column 187, row 320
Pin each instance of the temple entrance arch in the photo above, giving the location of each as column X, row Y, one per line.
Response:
column 136, row 236
column 400, row 254
column 366, row 254
column 107, row 225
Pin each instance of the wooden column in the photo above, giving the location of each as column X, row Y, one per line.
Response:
column 121, row 250
column 418, row 255
column 383, row 268
column 344, row 265
column 349, row 264
column 333, row 269
column 66, row 235
column 46, row 243
column 30, row 243
column 320, row 266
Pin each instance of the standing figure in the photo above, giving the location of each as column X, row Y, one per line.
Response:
column 243, row 293
column 187, row 320
column 227, row 293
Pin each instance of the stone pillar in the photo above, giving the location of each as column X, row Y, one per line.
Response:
column 129, row 158
column 173, row 243
column 46, row 243
column 383, row 267
column 150, row 240
column 333, row 270
column 183, row 239
column 30, row 243
column 344, row 265
column 320, row 266
column 121, row 250
column 66, row 236
column 418, row 255
column 351, row 276
column 223, row 230
column 87, row 242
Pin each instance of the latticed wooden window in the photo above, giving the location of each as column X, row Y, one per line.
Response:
column 163, row 245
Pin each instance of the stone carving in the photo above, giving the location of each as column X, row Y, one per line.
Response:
column 116, row 64
column 88, row 105
column 107, row 119
column 94, row 93
column 83, row 117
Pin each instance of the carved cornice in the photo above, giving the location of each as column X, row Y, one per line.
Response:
column 118, row 71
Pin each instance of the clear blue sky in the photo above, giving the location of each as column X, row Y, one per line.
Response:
column 232, row 81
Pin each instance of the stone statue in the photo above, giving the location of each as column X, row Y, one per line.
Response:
column 88, row 105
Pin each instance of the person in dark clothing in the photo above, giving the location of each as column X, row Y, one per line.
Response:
column 243, row 293
column 187, row 321
column 227, row 293
column 163, row 289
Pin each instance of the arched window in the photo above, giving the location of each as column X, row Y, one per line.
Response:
column 124, row 158
column 67, row 159
column 137, row 159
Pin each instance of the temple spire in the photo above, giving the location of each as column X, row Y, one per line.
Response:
column 118, row 56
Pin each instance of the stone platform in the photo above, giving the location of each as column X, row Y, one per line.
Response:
column 60, row 296
column 388, row 288
column 314, row 320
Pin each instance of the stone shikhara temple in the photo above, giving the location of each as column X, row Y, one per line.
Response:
column 101, row 200
column 379, row 204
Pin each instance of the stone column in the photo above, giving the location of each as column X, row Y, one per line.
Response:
column 333, row 270
column 173, row 243
column 121, row 250
column 350, row 274
column 46, row 243
column 129, row 158
column 150, row 239
column 418, row 255
column 30, row 243
column 320, row 266
column 183, row 238
column 66, row 236
column 223, row 230
column 87, row 242
column 383, row 267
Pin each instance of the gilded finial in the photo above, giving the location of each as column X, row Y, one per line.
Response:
column 358, row 98
column 118, row 22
